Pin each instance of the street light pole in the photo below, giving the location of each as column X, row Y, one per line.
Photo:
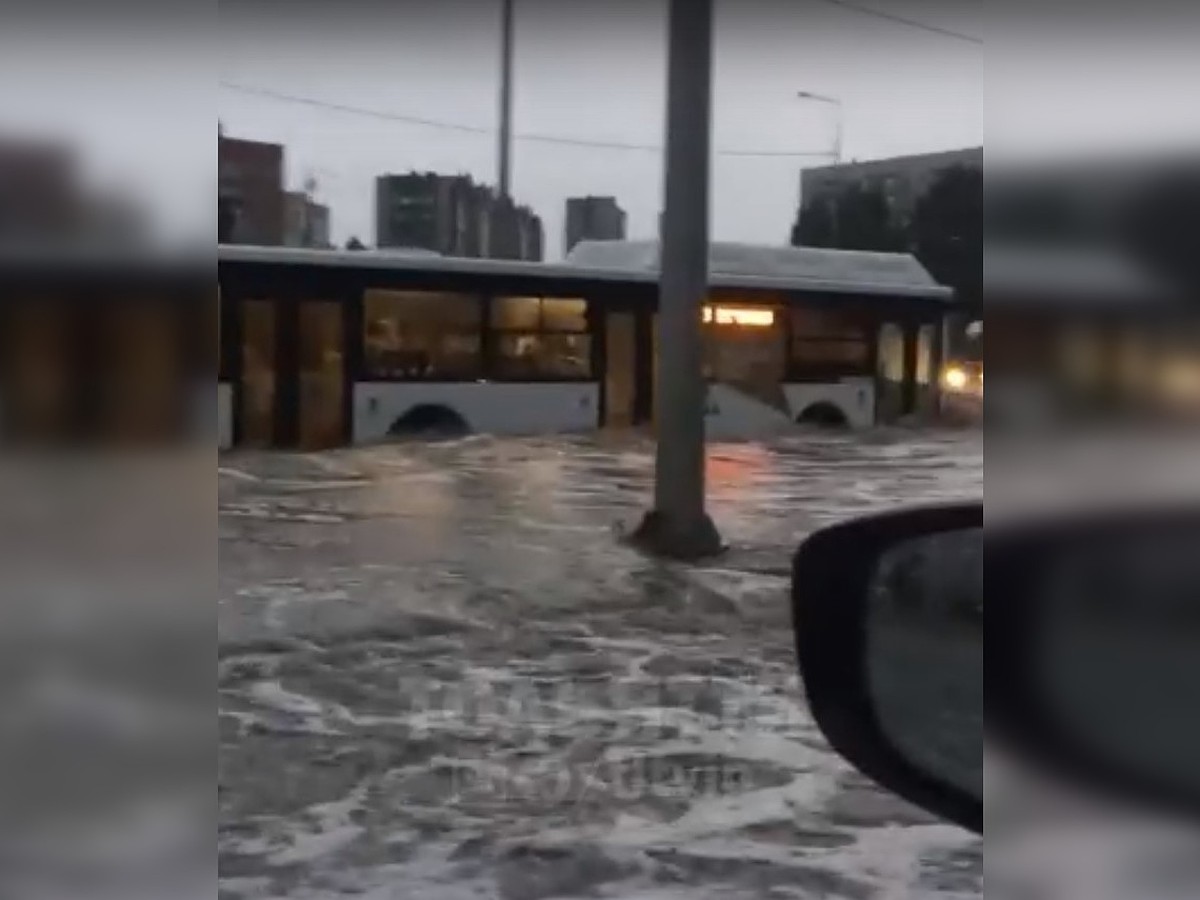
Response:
column 678, row 526
column 504, row 150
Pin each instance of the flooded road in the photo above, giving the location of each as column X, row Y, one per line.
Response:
column 441, row 675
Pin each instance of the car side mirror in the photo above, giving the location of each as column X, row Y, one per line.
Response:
column 888, row 615
column 1096, row 674
column 1094, row 679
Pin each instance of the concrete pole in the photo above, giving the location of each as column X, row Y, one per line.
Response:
column 679, row 526
column 504, row 149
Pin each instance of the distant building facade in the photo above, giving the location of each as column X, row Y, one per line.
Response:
column 306, row 223
column 251, row 202
column 903, row 180
column 454, row 216
column 414, row 210
column 319, row 225
column 515, row 232
column 593, row 219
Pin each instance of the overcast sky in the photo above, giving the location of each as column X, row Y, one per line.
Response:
column 593, row 71
column 136, row 88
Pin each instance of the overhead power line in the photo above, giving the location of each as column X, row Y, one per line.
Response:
column 909, row 23
column 443, row 125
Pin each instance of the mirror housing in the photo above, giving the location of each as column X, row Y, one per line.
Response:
column 1097, row 680
column 1095, row 620
column 833, row 576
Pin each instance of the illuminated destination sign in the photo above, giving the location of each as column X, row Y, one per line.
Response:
column 739, row 315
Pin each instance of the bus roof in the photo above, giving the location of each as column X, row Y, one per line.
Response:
column 733, row 267
column 821, row 268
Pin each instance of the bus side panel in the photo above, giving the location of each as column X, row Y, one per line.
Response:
column 855, row 397
column 490, row 408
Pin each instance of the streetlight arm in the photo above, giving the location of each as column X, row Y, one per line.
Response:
column 840, row 124
column 809, row 95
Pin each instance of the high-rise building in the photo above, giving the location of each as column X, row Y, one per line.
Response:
column 306, row 222
column 319, row 228
column 534, row 239
column 424, row 210
column 593, row 219
column 250, row 198
column 515, row 232
column 454, row 216
column 903, row 180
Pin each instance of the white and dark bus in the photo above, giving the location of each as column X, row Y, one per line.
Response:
column 317, row 349
column 326, row 348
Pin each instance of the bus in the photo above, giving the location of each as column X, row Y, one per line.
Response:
column 313, row 349
column 327, row 348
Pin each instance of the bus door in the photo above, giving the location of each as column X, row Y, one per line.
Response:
column 256, row 390
column 321, row 375
column 619, row 370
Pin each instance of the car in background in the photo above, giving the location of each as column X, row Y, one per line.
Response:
column 962, row 391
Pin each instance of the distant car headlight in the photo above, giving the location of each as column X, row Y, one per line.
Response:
column 956, row 378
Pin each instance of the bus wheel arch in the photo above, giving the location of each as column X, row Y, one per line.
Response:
column 824, row 414
column 429, row 418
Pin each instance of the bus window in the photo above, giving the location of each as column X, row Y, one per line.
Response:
column 544, row 356
column 743, row 344
column 516, row 313
column 891, row 353
column 422, row 336
column 541, row 338
column 925, row 349
column 560, row 314
column 828, row 342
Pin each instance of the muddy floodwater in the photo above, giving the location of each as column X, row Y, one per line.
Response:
column 441, row 676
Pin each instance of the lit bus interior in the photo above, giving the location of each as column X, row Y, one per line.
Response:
column 397, row 345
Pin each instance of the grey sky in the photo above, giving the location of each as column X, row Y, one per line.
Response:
column 134, row 84
column 593, row 70
column 130, row 84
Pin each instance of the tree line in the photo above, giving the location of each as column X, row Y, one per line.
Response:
column 944, row 230
column 1157, row 223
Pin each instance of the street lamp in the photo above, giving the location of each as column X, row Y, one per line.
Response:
column 839, row 121
column 504, row 150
